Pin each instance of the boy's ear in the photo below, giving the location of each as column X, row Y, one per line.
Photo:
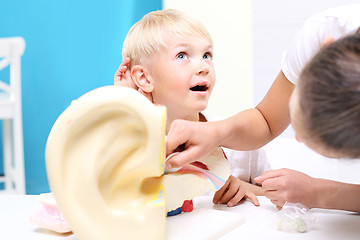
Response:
column 141, row 78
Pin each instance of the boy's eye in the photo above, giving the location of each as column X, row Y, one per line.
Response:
column 207, row 56
column 181, row 55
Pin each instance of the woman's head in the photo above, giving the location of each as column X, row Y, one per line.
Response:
column 147, row 36
column 325, row 106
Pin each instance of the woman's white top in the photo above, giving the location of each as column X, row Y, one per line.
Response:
column 336, row 22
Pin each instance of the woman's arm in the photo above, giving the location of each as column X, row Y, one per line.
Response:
column 338, row 195
column 256, row 127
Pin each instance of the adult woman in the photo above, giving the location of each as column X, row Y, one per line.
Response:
column 325, row 114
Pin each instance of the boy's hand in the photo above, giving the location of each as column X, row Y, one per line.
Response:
column 122, row 75
column 232, row 192
column 288, row 185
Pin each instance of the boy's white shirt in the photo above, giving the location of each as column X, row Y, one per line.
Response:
column 245, row 165
column 336, row 22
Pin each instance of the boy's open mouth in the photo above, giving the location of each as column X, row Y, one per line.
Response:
column 199, row 88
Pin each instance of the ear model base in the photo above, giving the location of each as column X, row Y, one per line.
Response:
column 98, row 153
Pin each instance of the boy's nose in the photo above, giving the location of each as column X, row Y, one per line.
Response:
column 203, row 68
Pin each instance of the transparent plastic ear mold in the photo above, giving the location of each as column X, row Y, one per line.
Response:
column 294, row 217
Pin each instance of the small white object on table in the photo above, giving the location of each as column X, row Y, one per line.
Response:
column 207, row 221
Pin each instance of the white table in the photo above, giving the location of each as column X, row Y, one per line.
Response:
column 207, row 221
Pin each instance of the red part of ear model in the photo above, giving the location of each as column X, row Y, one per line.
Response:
column 200, row 165
column 187, row 206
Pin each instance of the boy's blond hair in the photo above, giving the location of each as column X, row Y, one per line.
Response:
column 146, row 37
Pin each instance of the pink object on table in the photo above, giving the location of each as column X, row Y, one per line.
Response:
column 49, row 216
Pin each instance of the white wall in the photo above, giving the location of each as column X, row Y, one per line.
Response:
column 229, row 23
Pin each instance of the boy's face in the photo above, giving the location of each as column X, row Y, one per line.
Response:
column 183, row 75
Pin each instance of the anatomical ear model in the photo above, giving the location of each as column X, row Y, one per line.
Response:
column 105, row 163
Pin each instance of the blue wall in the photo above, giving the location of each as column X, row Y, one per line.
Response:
column 72, row 46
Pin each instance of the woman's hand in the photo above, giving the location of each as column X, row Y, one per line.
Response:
column 194, row 139
column 288, row 185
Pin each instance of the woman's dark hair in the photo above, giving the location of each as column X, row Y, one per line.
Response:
column 329, row 95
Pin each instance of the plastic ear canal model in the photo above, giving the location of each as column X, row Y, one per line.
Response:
column 98, row 154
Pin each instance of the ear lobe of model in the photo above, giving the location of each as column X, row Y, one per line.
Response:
column 141, row 78
column 98, row 153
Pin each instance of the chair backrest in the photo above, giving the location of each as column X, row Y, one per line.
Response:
column 13, row 46
column 11, row 50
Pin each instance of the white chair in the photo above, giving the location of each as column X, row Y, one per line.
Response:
column 13, row 179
